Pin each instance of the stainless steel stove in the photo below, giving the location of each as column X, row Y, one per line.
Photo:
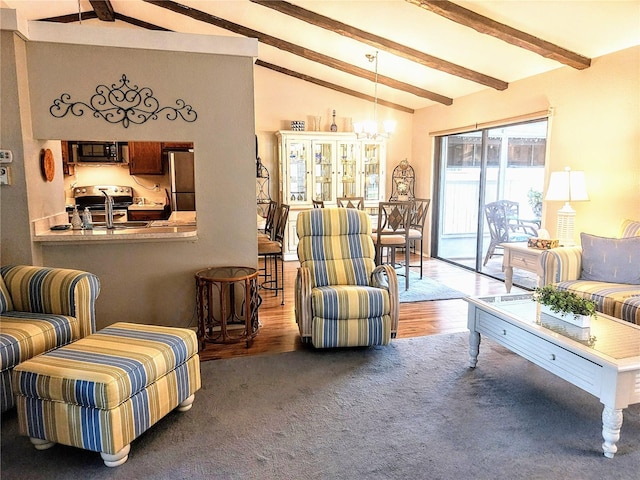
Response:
column 93, row 197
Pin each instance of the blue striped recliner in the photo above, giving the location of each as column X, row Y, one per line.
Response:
column 563, row 267
column 41, row 309
column 341, row 298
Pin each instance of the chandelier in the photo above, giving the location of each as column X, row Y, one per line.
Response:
column 368, row 129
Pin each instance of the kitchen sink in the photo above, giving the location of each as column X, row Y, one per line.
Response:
column 120, row 225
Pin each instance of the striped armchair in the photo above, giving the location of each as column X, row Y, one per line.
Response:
column 563, row 267
column 341, row 298
column 41, row 309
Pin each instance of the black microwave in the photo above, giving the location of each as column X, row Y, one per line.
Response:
column 96, row 152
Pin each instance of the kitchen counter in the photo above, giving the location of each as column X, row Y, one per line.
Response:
column 147, row 206
column 168, row 232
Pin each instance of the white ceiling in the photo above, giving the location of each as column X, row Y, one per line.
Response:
column 590, row 28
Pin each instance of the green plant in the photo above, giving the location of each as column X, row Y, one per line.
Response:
column 534, row 199
column 561, row 301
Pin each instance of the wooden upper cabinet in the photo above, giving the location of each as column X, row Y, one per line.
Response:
column 177, row 145
column 145, row 158
column 67, row 169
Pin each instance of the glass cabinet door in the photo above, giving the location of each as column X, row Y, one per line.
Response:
column 372, row 171
column 323, row 173
column 297, row 190
column 347, row 169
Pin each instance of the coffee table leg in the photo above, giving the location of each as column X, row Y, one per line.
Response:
column 508, row 278
column 474, row 348
column 611, row 424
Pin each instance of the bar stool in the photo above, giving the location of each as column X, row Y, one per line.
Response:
column 271, row 250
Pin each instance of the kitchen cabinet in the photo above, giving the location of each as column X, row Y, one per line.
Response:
column 325, row 166
column 177, row 145
column 145, row 158
column 67, row 167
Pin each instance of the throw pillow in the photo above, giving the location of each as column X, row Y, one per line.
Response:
column 5, row 299
column 615, row 260
column 629, row 228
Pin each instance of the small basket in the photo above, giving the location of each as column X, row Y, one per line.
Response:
column 543, row 243
column 297, row 125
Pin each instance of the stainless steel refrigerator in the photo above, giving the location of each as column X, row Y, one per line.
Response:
column 181, row 171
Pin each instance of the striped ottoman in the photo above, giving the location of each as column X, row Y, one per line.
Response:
column 106, row 389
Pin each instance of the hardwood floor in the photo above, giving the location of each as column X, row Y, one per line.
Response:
column 279, row 332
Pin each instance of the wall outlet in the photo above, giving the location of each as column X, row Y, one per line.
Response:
column 5, row 175
column 6, row 156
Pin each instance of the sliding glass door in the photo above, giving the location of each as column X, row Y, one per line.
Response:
column 479, row 167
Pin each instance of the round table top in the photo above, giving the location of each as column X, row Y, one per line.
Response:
column 226, row 274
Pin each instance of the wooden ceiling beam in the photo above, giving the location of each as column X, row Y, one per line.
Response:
column 382, row 43
column 104, row 10
column 298, row 50
column 508, row 34
column 332, row 86
column 140, row 23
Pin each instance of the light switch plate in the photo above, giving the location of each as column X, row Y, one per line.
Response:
column 6, row 156
column 5, row 175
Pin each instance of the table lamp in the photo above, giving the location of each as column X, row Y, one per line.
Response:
column 567, row 186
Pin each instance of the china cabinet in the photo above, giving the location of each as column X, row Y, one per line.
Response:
column 324, row 166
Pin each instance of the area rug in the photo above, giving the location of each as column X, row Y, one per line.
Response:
column 425, row 289
column 411, row 410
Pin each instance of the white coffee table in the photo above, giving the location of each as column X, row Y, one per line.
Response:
column 603, row 360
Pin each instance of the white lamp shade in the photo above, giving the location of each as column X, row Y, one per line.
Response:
column 389, row 126
column 567, row 186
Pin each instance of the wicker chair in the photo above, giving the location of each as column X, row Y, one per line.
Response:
column 341, row 298
column 505, row 226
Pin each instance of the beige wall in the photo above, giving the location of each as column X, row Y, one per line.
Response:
column 280, row 99
column 143, row 282
column 595, row 127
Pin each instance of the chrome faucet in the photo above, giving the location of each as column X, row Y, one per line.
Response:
column 108, row 208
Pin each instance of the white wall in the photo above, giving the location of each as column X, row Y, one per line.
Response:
column 595, row 127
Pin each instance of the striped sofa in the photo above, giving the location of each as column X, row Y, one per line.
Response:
column 41, row 309
column 563, row 267
column 341, row 298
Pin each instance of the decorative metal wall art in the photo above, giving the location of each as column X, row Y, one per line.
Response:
column 123, row 103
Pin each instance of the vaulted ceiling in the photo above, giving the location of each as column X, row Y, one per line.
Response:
column 429, row 51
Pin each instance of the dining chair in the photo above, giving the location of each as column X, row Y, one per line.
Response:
column 418, row 219
column 318, row 203
column 350, row 202
column 505, row 226
column 272, row 250
column 392, row 232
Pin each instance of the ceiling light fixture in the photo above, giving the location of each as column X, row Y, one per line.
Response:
column 369, row 128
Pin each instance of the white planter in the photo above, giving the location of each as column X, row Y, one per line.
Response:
column 582, row 321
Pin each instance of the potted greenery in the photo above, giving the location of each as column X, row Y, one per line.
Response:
column 565, row 305
column 534, row 199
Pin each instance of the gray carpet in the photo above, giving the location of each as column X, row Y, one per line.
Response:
column 425, row 289
column 412, row 410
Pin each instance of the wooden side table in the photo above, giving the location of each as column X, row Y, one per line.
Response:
column 227, row 305
column 519, row 255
